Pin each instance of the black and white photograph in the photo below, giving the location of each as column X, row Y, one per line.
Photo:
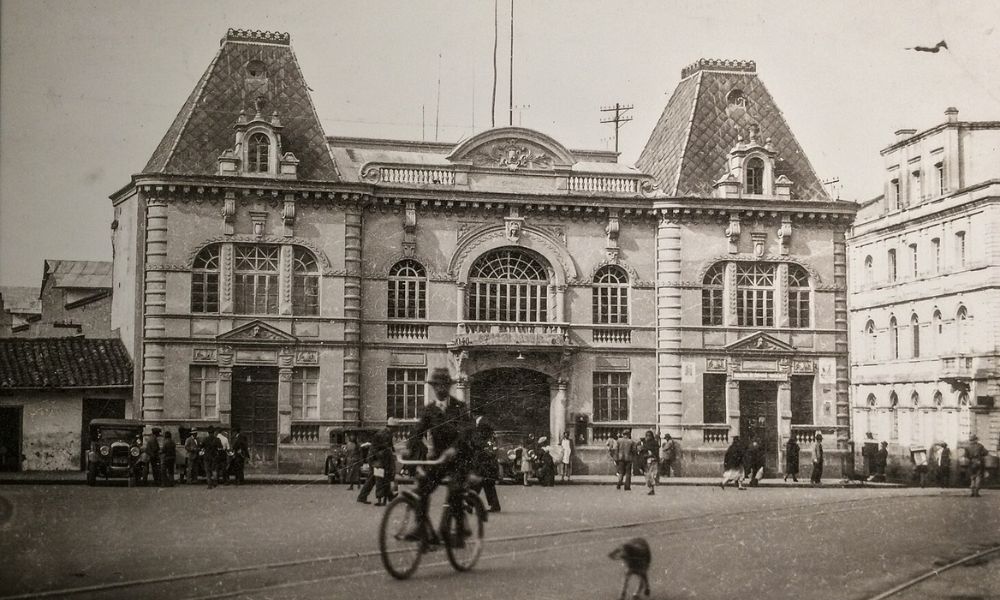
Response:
column 499, row 299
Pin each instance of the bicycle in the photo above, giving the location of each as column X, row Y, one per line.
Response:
column 401, row 553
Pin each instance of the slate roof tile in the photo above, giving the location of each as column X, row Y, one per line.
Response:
column 53, row 363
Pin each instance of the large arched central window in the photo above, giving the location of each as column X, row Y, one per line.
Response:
column 255, row 281
column 755, row 295
column 508, row 284
column 610, row 296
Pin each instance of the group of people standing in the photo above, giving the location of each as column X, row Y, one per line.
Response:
column 654, row 455
column 538, row 458
column 211, row 454
column 746, row 462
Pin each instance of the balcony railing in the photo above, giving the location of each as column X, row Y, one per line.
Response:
column 958, row 367
column 612, row 335
column 600, row 433
column 806, row 434
column 416, row 176
column 406, row 331
column 715, row 434
column 510, row 333
column 595, row 183
column 305, row 433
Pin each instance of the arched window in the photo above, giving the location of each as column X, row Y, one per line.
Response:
column 937, row 330
column 305, row 283
column 893, row 339
column 964, row 425
column 916, row 430
column 798, row 296
column 255, row 279
column 960, row 248
column 407, row 290
column 610, row 295
column 960, row 326
column 893, row 416
column 755, row 294
column 869, row 275
column 712, row 293
column 870, row 341
column 891, row 261
column 915, row 335
column 938, row 419
column 870, row 404
column 258, row 153
column 755, row 176
column 508, row 284
column 205, row 281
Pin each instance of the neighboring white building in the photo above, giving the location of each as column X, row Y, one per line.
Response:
column 925, row 307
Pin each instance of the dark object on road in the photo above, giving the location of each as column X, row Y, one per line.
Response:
column 635, row 554
column 115, row 450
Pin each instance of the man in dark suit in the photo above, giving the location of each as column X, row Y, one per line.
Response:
column 211, row 455
column 152, row 451
column 241, row 452
column 168, row 458
column 624, row 456
column 485, row 463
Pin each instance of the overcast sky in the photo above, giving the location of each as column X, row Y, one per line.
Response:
column 89, row 88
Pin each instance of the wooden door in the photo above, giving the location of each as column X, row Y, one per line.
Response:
column 255, row 410
column 759, row 419
column 10, row 438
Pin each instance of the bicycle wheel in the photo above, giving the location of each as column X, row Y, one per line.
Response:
column 399, row 555
column 464, row 549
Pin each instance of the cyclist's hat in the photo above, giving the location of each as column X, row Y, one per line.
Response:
column 440, row 375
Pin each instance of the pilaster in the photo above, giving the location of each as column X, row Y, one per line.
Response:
column 285, row 280
column 557, row 410
column 225, row 391
column 226, row 251
column 841, row 340
column 353, row 218
column 284, row 403
column 669, row 406
column 154, row 306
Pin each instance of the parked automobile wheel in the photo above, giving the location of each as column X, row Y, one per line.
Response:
column 91, row 475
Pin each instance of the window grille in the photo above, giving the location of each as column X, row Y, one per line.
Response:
column 204, row 392
column 755, row 295
column 205, row 281
column 305, row 393
column 258, row 153
column 798, row 297
column 305, row 283
column 255, row 281
column 407, row 290
column 712, row 294
column 611, row 396
column 404, row 392
column 508, row 284
column 610, row 296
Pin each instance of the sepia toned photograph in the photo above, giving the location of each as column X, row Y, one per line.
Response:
column 499, row 299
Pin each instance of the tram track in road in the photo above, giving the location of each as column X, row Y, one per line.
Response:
column 227, row 582
column 913, row 582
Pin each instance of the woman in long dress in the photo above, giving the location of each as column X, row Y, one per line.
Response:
column 732, row 465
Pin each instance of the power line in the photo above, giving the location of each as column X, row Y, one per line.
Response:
column 619, row 119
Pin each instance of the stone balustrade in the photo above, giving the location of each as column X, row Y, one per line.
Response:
column 612, row 335
column 413, row 176
column 594, row 183
column 305, row 433
column 406, row 331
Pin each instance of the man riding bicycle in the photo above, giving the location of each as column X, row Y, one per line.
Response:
column 449, row 424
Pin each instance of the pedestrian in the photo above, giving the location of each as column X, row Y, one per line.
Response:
column 881, row 461
column 485, row 463
column 152, row 450
column 976, row 454
column 612, row 446
column 526, row 454
column 732, row 464
column 191, row 448
column 546, row 464
column 225, row 458
column 868, row 451
column 651, row 457
column 817, row 460
column 353, row 454
column 380, row 465
column 944, row 466
column 168, row 459
column 241, row 453
column 754, row 462
column 624, row 457
column 668, row 457
column 920, row 466
column 792, row 459
column 566, row 465
column 211, row 452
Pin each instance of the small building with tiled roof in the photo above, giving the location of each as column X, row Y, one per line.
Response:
column 303, row 287
column 50, row 389
column 19, row 306
column 74, row 300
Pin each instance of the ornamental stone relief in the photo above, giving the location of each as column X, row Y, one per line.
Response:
column 512, row 154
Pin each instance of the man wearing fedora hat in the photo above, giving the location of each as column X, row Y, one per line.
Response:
column 449, row 424
column 976, row 454
column 817, row 457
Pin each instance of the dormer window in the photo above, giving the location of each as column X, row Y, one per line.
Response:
column 755, row 176
column 736, row 98
column 258, row 153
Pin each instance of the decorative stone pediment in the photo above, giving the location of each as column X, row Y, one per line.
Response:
column 257, row 331
column 760, row 342
column 513, row 149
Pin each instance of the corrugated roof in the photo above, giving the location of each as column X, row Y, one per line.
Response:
column 688, row 148
column 203, row 128
column 91, row 274
column 52, row 363
column 23, row 300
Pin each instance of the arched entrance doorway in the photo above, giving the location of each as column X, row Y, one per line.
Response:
column 512, row 399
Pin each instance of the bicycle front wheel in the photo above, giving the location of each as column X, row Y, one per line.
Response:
column 464, row 547
column 400, row 552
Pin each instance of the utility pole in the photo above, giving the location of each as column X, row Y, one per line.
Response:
column 619, row 119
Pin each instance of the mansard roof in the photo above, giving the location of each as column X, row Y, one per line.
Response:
column 688, row 148
column 249, row 65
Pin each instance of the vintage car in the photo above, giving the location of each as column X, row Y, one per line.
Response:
column 115, row 450
column 506, row 443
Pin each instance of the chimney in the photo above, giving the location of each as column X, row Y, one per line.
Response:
column 903, row 134
column 951, row 114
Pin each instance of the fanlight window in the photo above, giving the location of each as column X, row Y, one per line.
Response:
column 258, row 153
column 755, row 176
column 755, row 294
column 305, row 283
column 255, row 279
column 798, row 296
column 610, row 295
column 712, row 294
column 407, row 290
column 508, row 284
column 205, row 281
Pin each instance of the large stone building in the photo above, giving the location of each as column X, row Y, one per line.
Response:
column 925, row 292
column 300, row 285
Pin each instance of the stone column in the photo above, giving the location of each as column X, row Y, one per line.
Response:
column 840, row 323
column 733, row 407
column 284, row 404
column 669, row 406
column 154, row 305
column 285, row 268
column 557, row 410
